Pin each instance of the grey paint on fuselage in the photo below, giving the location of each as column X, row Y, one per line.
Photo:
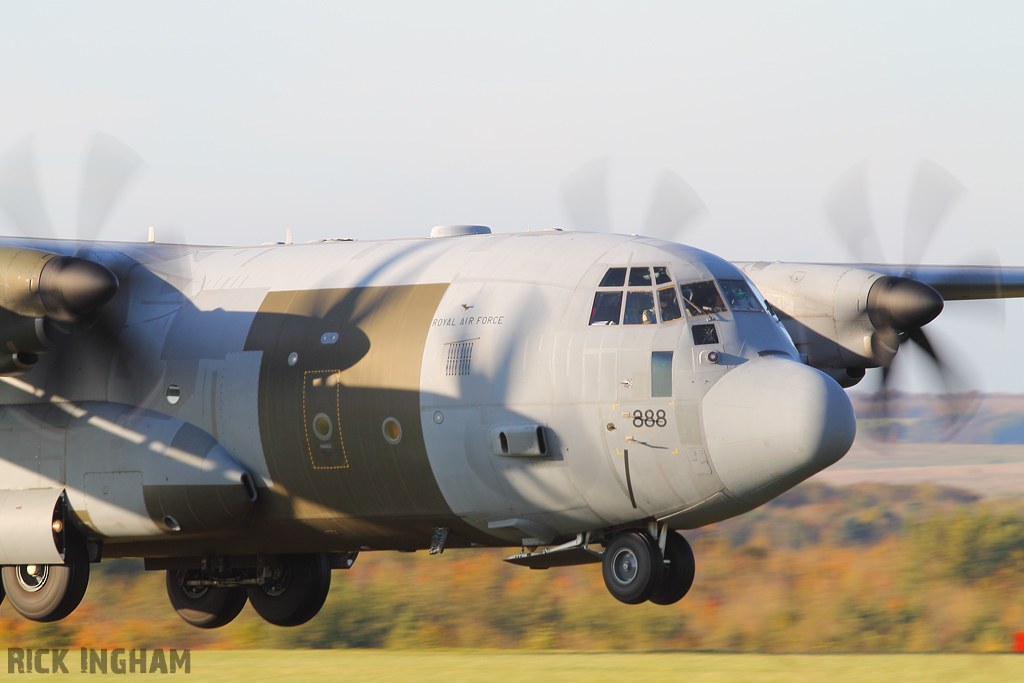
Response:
column 523, row 300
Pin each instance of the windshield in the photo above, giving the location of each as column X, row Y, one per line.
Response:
column 739, row 296
column 702, row 298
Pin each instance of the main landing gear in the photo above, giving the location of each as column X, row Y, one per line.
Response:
column 49, row 592
column 287, row 592
column 636, row 570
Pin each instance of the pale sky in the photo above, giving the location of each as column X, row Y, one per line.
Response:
column 379, row 119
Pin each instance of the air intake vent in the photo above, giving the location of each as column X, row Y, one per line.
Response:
column 457, row 356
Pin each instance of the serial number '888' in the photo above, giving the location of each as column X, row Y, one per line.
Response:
column 649, row 418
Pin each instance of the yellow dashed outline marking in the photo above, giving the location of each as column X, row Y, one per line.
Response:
column 305, row 421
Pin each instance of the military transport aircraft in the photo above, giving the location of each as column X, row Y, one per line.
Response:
column 247, row 419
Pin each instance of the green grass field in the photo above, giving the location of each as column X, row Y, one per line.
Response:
column 593, row 667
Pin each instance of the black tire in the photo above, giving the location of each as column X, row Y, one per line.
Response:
column 49, row 592
column 632, row 567
column 203, row 606
column 679, row 572
column 296, row 595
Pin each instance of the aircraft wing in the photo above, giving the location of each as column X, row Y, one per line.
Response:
column 954, row 283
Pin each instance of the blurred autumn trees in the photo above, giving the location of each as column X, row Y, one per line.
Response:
column 860, row 568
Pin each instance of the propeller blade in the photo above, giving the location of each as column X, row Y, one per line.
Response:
column 585, row 195
column 675, row 206
column 885, row 343
column 961, row 404
column 109, row 166
column 20, row 196
column 932, row 195
column 849, row 214
column 174, row 262
column 987, row 311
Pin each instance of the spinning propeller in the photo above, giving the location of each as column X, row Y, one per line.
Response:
column 73, row 291
column 674, row 206
column 899, row 307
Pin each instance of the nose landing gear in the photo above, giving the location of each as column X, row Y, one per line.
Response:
column 636, row 570
column 632, row 567
column 679, row 571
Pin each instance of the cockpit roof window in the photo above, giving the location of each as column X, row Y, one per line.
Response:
column 702, row 298
column 615, row 277
column 640, row 277
column 661, row 276
column 739, row 295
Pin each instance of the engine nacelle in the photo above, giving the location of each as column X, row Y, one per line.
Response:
column 825, row 310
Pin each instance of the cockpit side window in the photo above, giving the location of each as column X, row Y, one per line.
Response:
column 615, row 277
column 702, row 298
column 640, row 277
column 739, row 296
column 607, row 307
column 639, row 309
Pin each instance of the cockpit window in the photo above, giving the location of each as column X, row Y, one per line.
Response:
column 739, row 296
column 702, row 298
column 704, row 334
column 642, row 293
column 615, row 277
column 639, row 309
column 640, row 277
column 668, row 304
column 607, row 307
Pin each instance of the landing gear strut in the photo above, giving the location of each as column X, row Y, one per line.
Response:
column 49, row 592
column 635, row 570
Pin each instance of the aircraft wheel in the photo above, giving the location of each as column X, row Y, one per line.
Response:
column 632, row 567
column 204, row 606
column 49, row 592
column 679, row 572
column 297, row 593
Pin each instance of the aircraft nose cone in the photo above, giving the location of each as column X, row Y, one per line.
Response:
column 771, row 423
